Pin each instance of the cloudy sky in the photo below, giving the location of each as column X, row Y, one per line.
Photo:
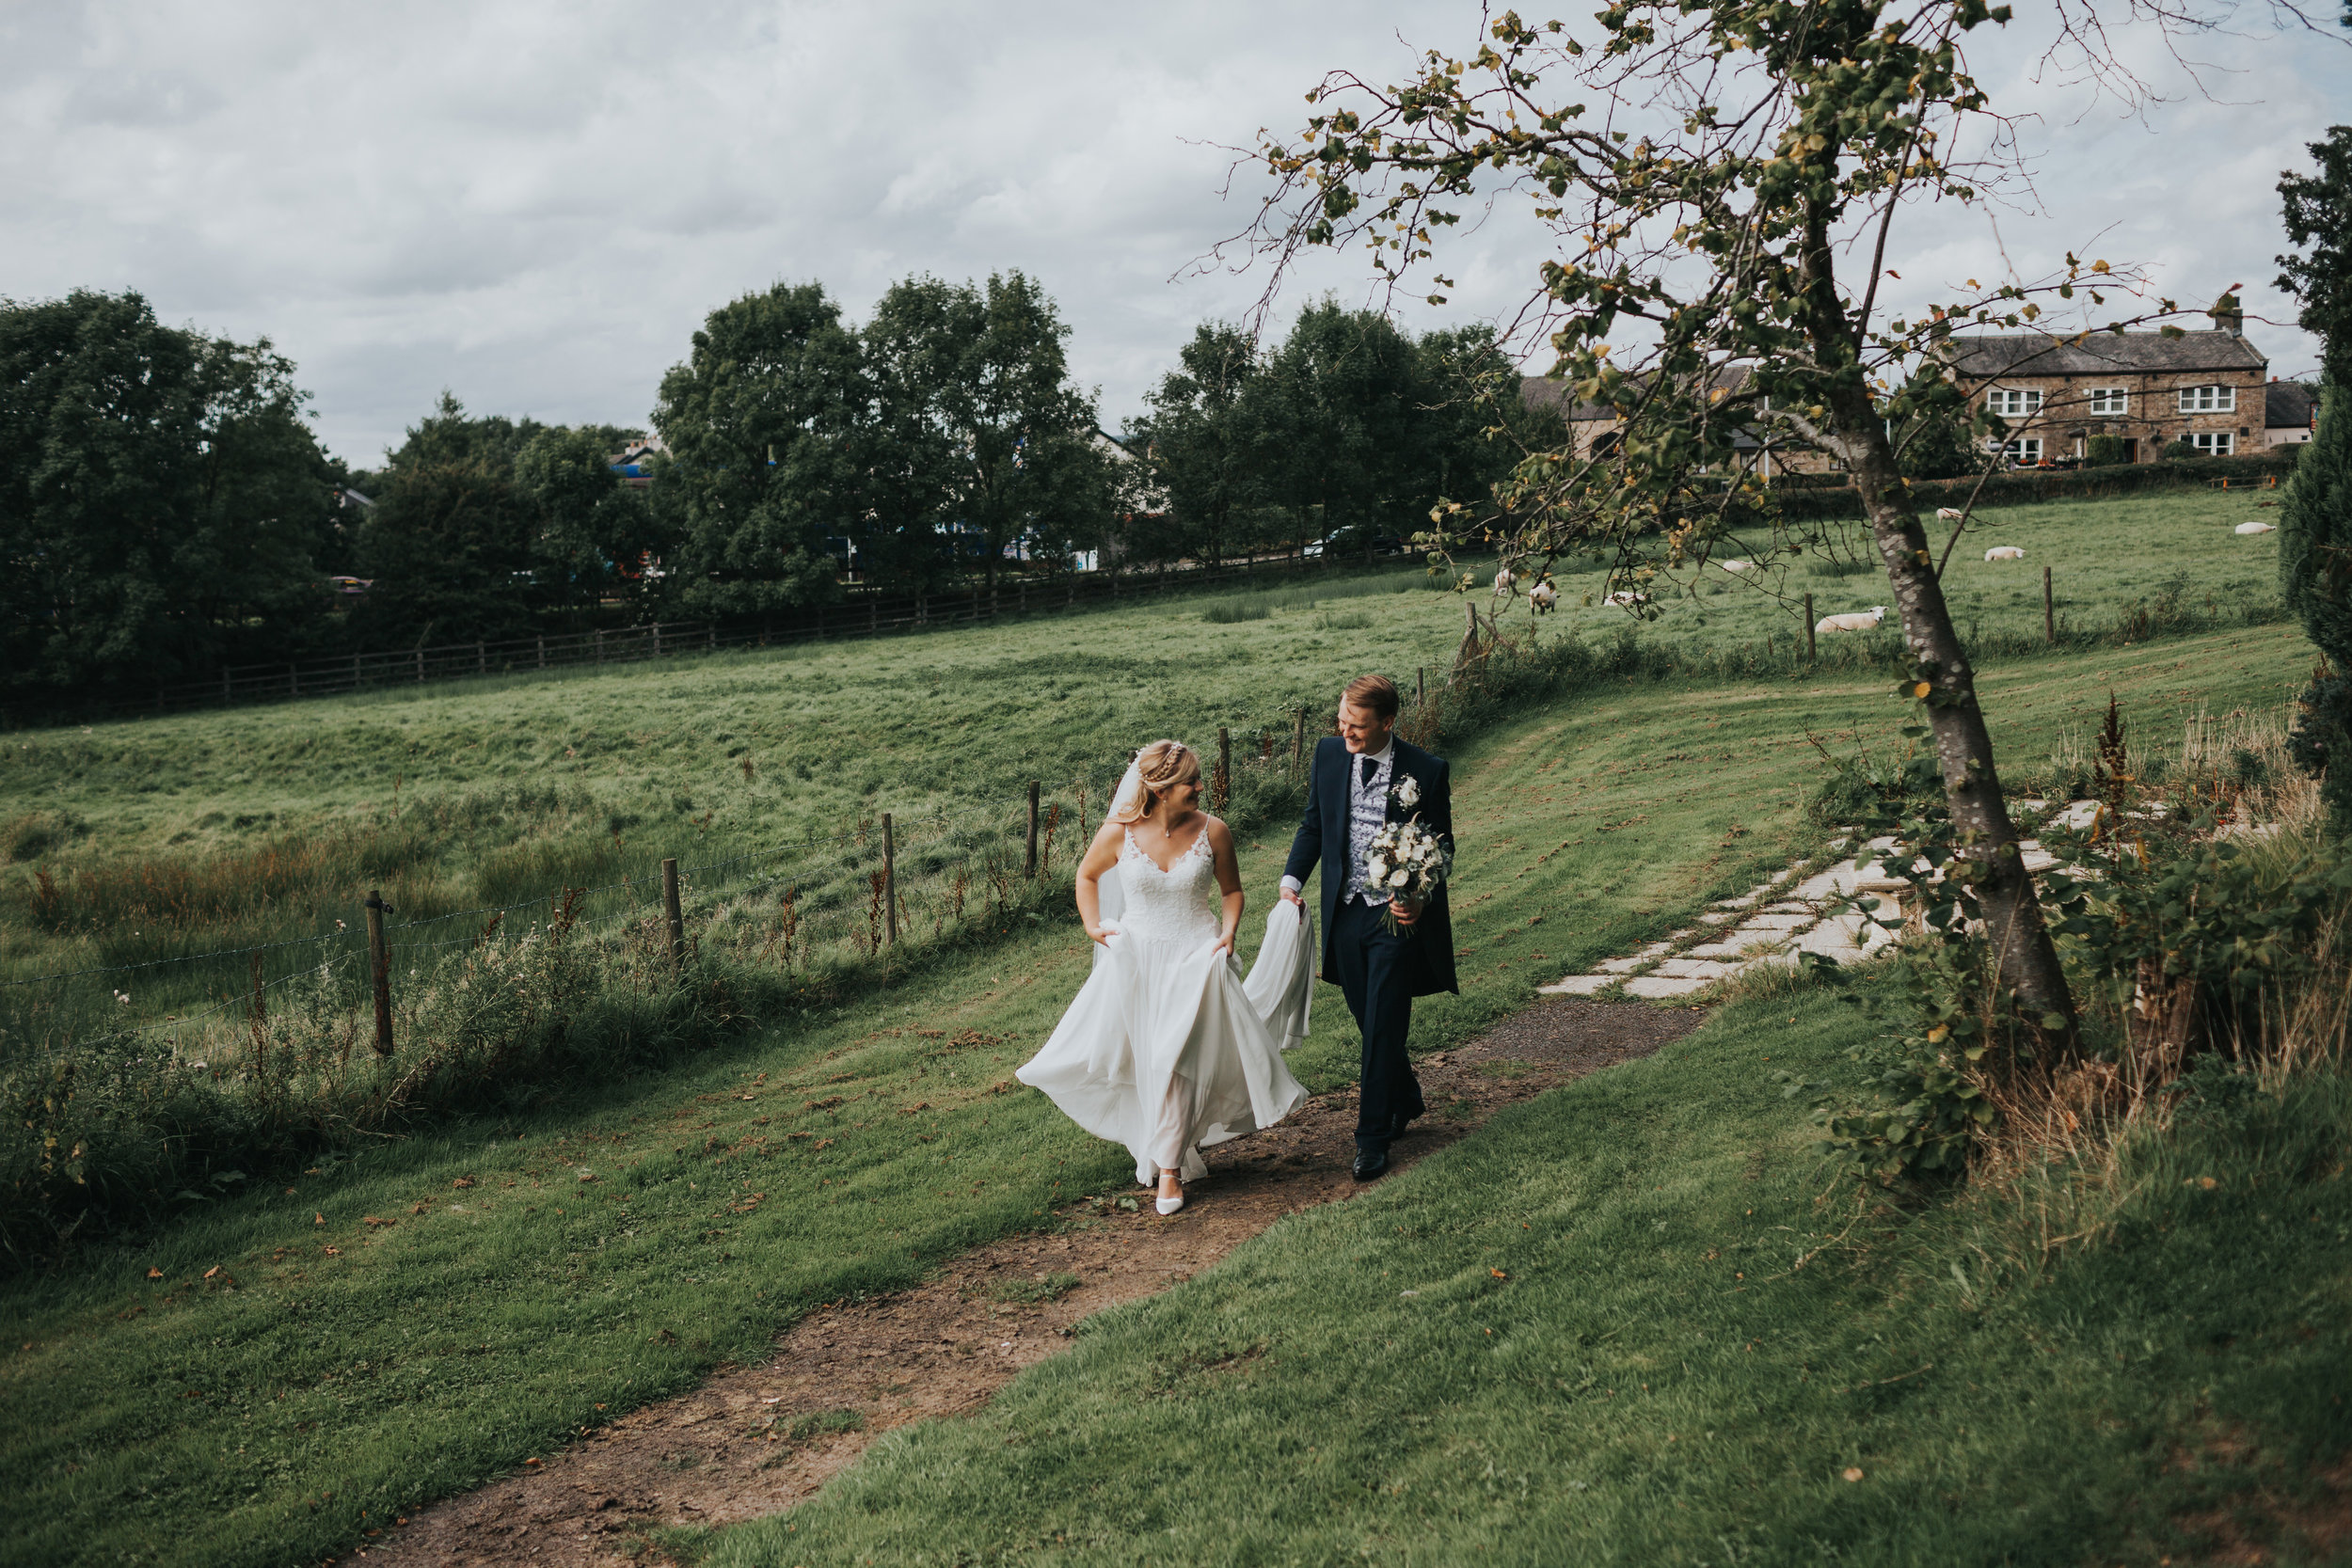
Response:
column 532, row 204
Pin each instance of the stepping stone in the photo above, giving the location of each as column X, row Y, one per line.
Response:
column 1680, row 936
column 1714, row 917
column 1579, row 985
column 1693, row 969
column 1739, row 941
column 1643, row 959
column 1658, row 986
column 1779, row 918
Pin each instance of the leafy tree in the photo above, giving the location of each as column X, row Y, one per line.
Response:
column 756, row 422
column 1706, row 171
column 1205, row 444
column 978, row 439
column 164, row 502
column 2315, row 578
column 1940, row 442
column 448, row 540
column 1342, row 425
column 590, row 533
column 2319, row 214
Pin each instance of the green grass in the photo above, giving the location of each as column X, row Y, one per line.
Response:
column 1619, row 1325
column 2104, row 556
column 279, row 1417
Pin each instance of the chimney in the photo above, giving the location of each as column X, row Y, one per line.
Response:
column 2228, row 316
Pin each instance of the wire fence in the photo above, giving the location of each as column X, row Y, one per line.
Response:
column 879, row 888
column 860, row 614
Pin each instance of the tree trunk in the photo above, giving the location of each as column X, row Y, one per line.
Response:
column 2027, row 959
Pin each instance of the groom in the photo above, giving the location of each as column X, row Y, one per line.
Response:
column 1350, row 793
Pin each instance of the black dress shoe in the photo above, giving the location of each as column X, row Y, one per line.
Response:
column 1369, row 1163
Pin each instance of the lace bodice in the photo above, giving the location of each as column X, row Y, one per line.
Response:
column 1179, row 902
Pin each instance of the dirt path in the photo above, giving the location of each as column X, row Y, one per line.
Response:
column 757, row 1440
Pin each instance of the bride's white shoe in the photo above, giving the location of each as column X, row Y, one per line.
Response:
column 1168, row 1204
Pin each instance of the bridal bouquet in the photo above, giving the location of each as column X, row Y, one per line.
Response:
column 1409, row 862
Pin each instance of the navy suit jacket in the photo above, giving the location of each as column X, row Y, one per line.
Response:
column 1323, row 838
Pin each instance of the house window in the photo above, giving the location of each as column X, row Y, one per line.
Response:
column 2012, row 402
column 2026, row 453
column 2214, row 443
column 2110, row 400
column 2208, row 399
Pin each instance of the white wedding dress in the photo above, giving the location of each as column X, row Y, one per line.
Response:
column 1167, row 1049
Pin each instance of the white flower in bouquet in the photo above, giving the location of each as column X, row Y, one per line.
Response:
column 1407, row 860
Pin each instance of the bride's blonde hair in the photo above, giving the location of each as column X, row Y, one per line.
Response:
column 1162, row 766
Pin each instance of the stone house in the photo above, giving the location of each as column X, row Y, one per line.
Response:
column 2150, row 389
column 1592, row 428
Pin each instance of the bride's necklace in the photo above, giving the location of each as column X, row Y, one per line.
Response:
column 1166, row 840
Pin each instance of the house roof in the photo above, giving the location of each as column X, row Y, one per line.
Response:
column 1983, row 356
column 2289, row 404
column 1542, row 392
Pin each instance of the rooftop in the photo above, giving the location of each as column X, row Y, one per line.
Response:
column 1982, row 356
column 2289, row 404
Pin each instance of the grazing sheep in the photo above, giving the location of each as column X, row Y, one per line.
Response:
column 1626, row 598
column 1949, row 513
column 1544, row 596
column 2255, row 528
column 1860, row 620
column 2005, row 552
column 1504, row 579
column 1739, row 566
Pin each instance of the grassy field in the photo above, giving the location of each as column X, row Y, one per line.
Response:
column 605, row 1247
column 186, row 834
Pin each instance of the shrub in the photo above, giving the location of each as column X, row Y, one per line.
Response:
column 2315, row 579
column 2101, row 451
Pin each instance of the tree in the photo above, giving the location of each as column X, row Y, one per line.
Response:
column 1204, row 441
column 164, row 503
column 2315, row 578
column 978, row 439
column 2319, row 214
column 756, row 422
column 1341, row 423
column 448, row 543
column 1741, row 151
column 590, row 533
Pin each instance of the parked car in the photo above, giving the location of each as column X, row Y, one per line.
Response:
column 1350, row 542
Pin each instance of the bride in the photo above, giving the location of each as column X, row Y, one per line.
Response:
column 1167, row 1049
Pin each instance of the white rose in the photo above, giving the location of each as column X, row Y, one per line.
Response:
column 1399, row 878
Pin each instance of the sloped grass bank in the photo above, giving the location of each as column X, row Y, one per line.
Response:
column 1623, row 1325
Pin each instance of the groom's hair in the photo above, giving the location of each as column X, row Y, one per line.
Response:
column 1373, row 693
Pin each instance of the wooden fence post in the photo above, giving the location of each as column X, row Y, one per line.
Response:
column 599, row 645
column 656, row 639
column 890, row 880
column 676, row 917
column 380, row 972
column 1808, row 627
column 543, row 650
column 1032, row 828
column 225, row 697
column 420, row 664
column 2049, row 615
column 1223, row 788
column 357, row 680
column 481, row 658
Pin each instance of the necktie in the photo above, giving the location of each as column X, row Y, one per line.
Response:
column 1371, row 768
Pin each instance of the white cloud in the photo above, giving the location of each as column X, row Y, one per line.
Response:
column 535, row 203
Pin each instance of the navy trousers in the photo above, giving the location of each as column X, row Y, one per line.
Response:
column 1371, row 963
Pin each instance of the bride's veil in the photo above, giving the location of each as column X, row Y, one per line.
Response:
column 1126, row 805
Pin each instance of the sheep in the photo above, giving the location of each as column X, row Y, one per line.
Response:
column 1626, row 598
column 2005, row 552
column 1860, row 620
column 1949, row 513
column 1504, row 579
column 1543, row 597
column 2255, row 528
column 1739, row 566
